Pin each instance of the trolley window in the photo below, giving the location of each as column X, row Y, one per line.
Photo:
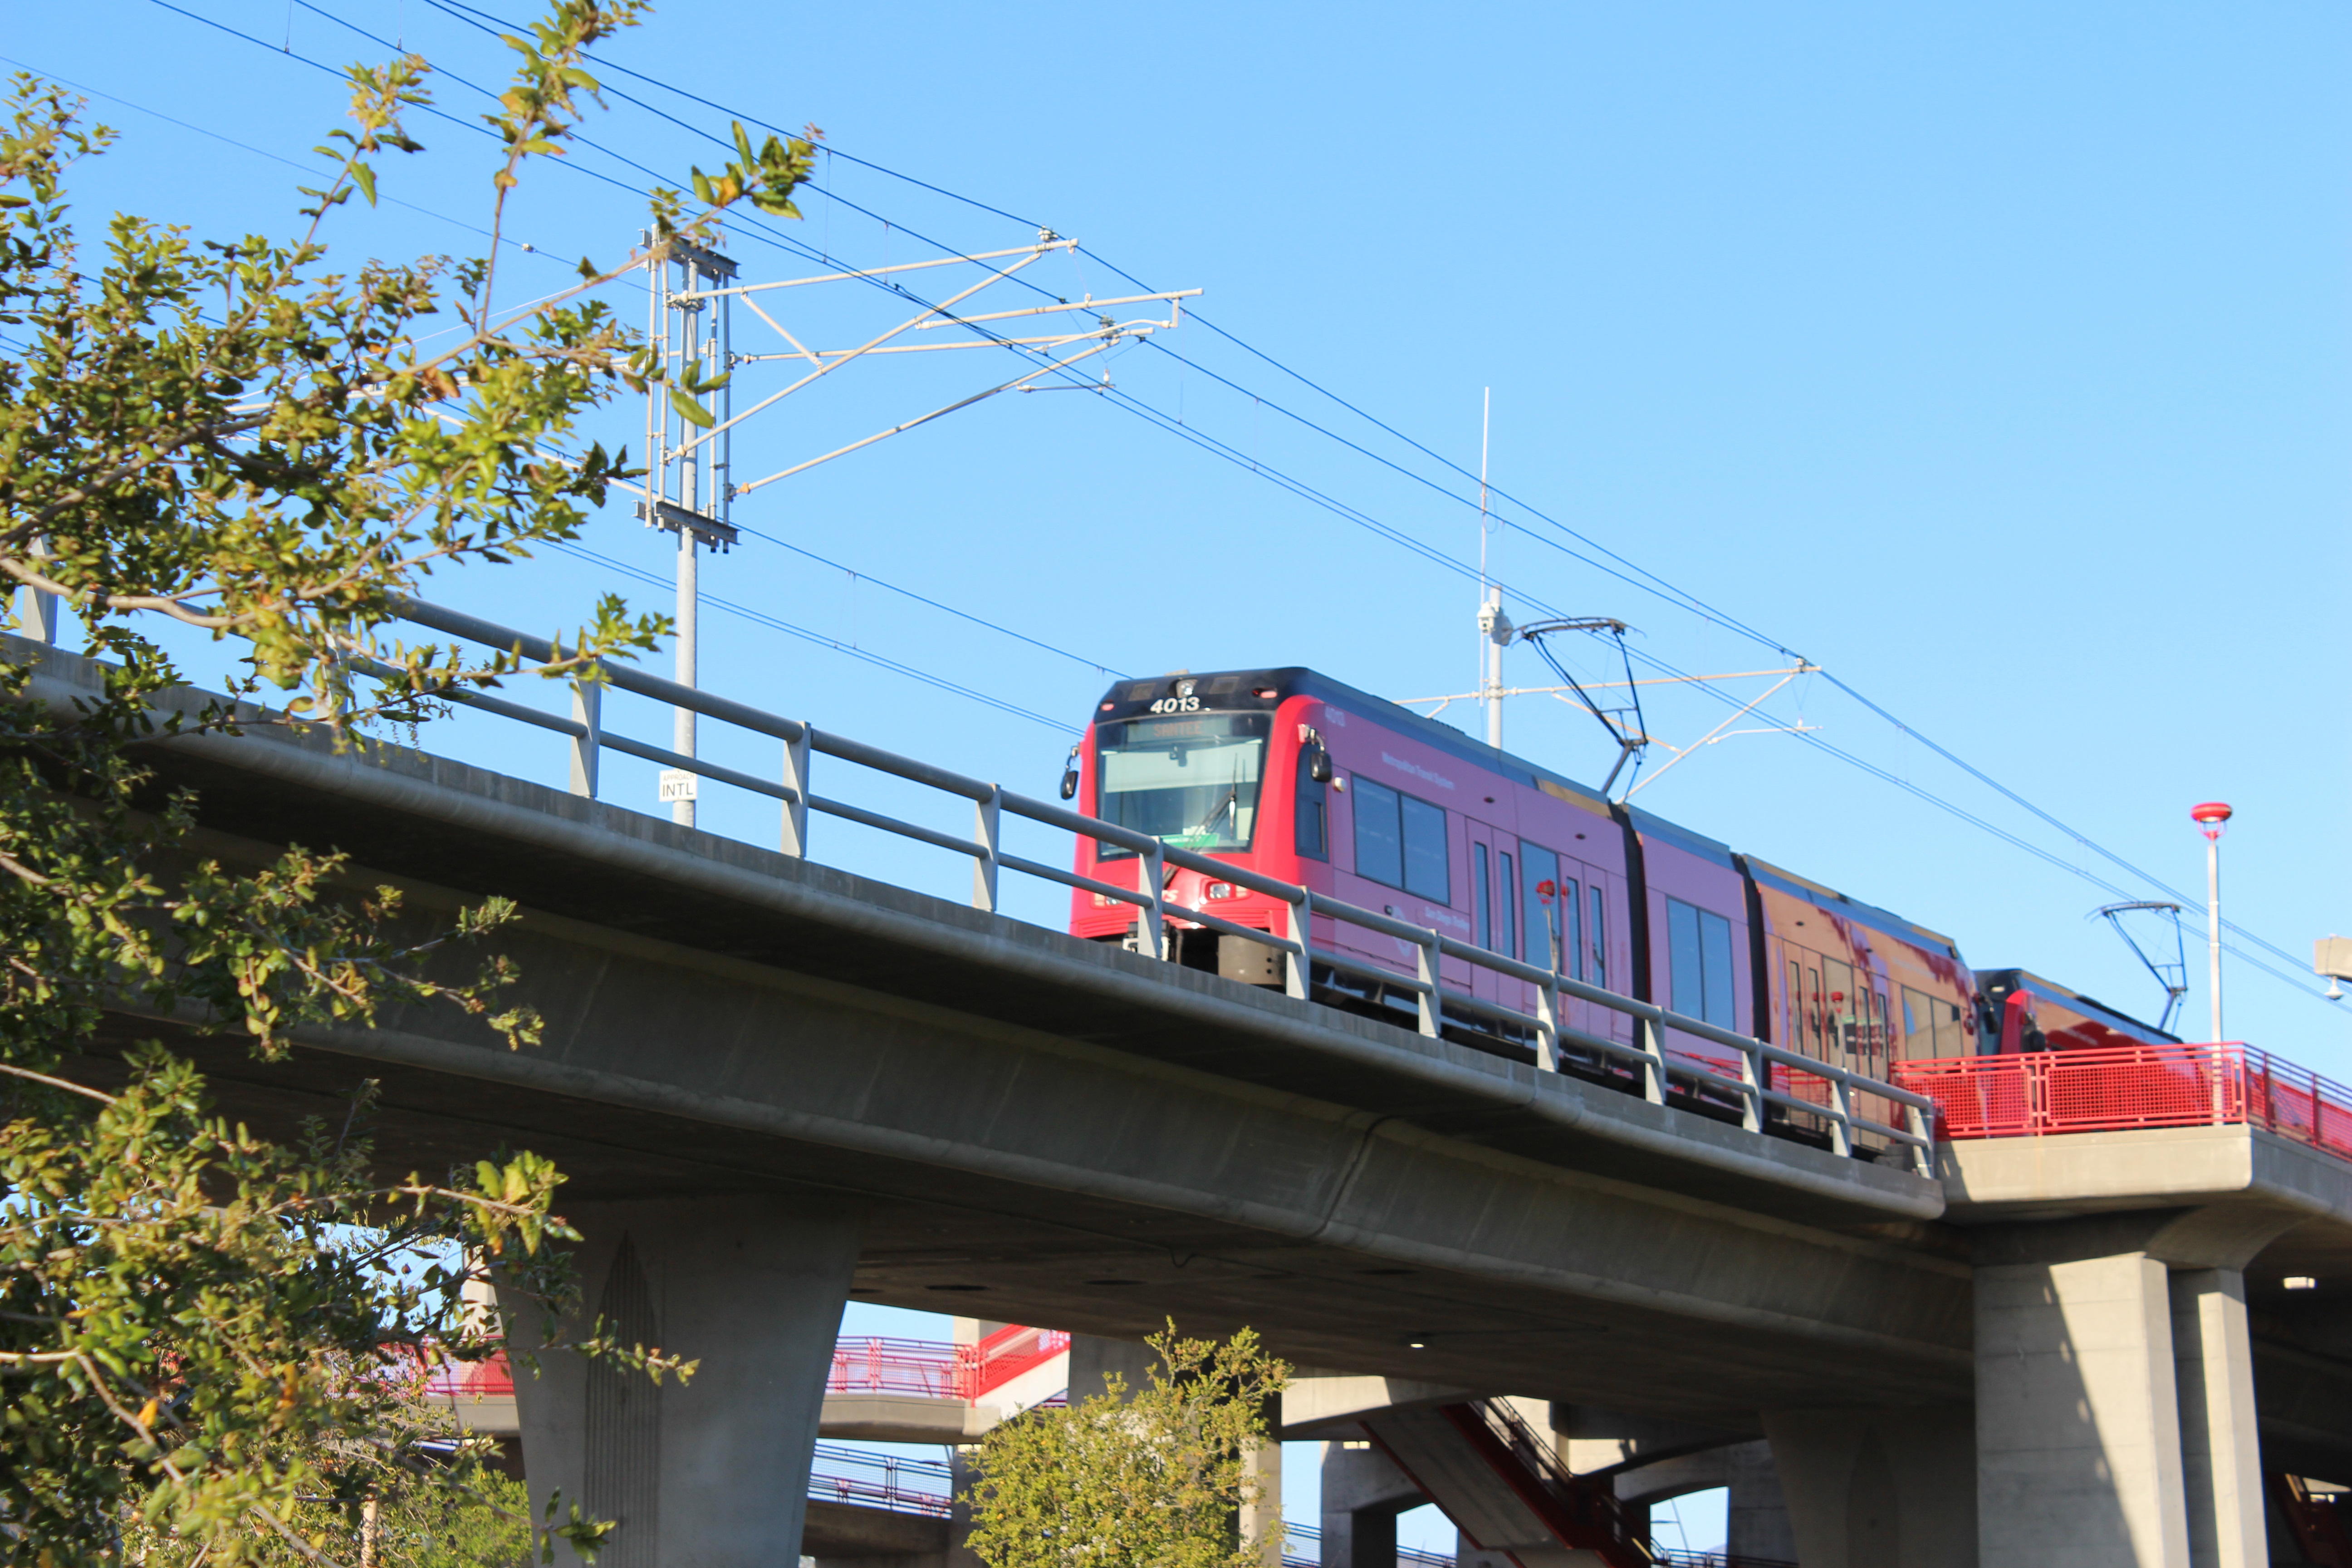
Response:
column 1400, row 841
column 1550, row 919
column 1191, row 781
column 1506, row 896
column 1598, row 933
column 1481, row 899
column 1313, row 812
column 1698, row 959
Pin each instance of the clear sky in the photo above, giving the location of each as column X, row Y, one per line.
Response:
column 1992, row 357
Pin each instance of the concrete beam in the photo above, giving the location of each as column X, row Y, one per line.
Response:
column 1052, row 1164
column 1332, row 1405
column 431, row 819
column 872, row 1537
column 903, row 1419
column 1591, row 1440
column 2002, row 1179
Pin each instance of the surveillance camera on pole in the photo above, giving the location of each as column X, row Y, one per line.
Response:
column 2332, row 956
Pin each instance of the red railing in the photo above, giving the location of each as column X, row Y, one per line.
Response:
column 1009, row 1351
column 937, row 1371
column 491, row 1379
column 865, row 1365
column 2117, row 1088
column 876, row 1365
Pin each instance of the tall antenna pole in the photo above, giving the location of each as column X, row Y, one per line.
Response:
column 1494, row 627
column 689, row 486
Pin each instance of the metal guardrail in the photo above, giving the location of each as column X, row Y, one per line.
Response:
column 2110, row 1088
column 1297, row 1534
column 1766, row 1075
column 870, row 1364
column 862, row 1363
column 885, row 1481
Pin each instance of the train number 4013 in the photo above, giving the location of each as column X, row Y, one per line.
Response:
column 1177, row 705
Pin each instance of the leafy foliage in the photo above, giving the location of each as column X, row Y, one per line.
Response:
column 1155, row 1482
column 206, row 1335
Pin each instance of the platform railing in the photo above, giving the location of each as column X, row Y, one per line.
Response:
column 1767, row 1076
column 862, row 1363
column 885, row 1481
column 2113, row 1089
column 1297, row 1534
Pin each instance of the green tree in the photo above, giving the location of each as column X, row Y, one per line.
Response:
column 202, row 1329
column 1158, row 1480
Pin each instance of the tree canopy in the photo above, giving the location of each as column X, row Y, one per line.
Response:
column 206, row 1335
column 1157, row 1479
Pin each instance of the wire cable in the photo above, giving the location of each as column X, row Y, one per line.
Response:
column 777, row 623
column 1096, row 665
column 1642, row 579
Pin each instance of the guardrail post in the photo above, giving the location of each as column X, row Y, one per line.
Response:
column 1922, row 1128
column 1754, row 1074
column 1548, row 1025
column 796, row 779
column 983, row 865
column 588, row 712
column 1299, row 968
column 1842, row 1117
column 1431, row 1010
column 1652, row 1041
column 1151, row 920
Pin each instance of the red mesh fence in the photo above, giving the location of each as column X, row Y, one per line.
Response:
column 865, row 1365
column 2117, row 1088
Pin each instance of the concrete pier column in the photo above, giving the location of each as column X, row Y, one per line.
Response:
column 2078, row 1423
column 2221, row 1452
column 1363, row 1492
column 713, row 1473
column 1883, row 1487
column 1756, row 1516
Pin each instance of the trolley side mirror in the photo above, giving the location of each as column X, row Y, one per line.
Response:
column 1318, row 765
column 1070, row 776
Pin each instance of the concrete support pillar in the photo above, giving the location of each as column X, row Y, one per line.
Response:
column 2078, row 1425
column 1883, row 1489
column 962, row 1474
column 2221, row 1451
column 713, row 1473
column 1262, row 1521
column 1093, row 1357
column 1363, row 1492
column 1757, row 1514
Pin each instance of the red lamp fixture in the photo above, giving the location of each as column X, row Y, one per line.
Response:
column 2211, row 816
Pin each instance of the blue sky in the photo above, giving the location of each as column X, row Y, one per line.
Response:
column 1992, row 357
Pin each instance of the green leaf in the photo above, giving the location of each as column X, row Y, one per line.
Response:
column 690, row 411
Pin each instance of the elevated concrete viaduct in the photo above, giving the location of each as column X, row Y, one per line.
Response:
column 777, row 1085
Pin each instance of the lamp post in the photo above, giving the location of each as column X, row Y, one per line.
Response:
column 2212, row 817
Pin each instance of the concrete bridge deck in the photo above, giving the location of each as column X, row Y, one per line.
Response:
column 862, row 1089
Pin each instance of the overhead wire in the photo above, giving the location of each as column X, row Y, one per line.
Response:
column 1650, row 583
column 777, row 623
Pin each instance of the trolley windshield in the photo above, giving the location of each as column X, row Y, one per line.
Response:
column 1191, row 782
